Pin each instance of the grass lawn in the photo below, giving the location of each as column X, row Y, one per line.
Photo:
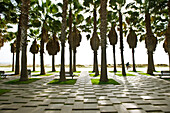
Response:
column 97, row 82
column 93, row 75
column 77, row 72
column 167, row 79
column 93, row 72
column 2, row 91
column 42, row 75
column 137, row 71
column 127, row 74
column 22, row 82
column 53, row 72
column 9, row 71
column 35, row 71
column 114, row 72
column 69, row 81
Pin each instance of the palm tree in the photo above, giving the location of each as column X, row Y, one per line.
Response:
column 103, row 31
column 151, row 42
column 13, row 50
column 132, row 41
column 74, row 41
column 113, row 41
column 24, row 26
column 53, row 48
column 95, row 42
column 18, row 40
column 70, row 48
column 118, row 7
column 166, row 44
column 44, row 38
column 34, row 49
column 63, row 37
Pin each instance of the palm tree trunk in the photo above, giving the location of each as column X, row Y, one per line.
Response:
column 70, row 50
column 103, row 31
column 96, row 63
column 133, row 59
column 62, row 70
column 153, row 63
column 150, row 63
column 149, row 33
column 74, row 60
column 24, row 27
column 63, row 37
column 13, row 61
column 18, row 40
column 71, row 68
column 169, row 61
column 121, row 44
column 114, row 58
column 33, row 62
column 42, row 57
column 53, row 63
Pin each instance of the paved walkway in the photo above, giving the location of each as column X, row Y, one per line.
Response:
column 136, row 94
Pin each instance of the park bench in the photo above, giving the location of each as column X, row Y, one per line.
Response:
column 2, row 74
column 67, row 74
column 29, row 72
column 164, row 73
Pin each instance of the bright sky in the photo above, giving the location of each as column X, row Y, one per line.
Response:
column 85, row 54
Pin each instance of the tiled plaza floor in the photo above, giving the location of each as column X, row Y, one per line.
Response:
column 136, row 94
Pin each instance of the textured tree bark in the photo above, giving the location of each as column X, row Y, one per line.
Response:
column 24, row 26
column 42, row 57
column 13, row 61
column 114, row 58
column 74, row 60
column 53, row 63
column 169, row 61
column 150, row 67
column 153, row 63
column 96, row 63
column 133, row 59
column 63, row 36
column 18, row 40
column 62, row 70
column 71, row 68
column 103, row 31
column 33, row 62
column 70, row 50
column 121, row 44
